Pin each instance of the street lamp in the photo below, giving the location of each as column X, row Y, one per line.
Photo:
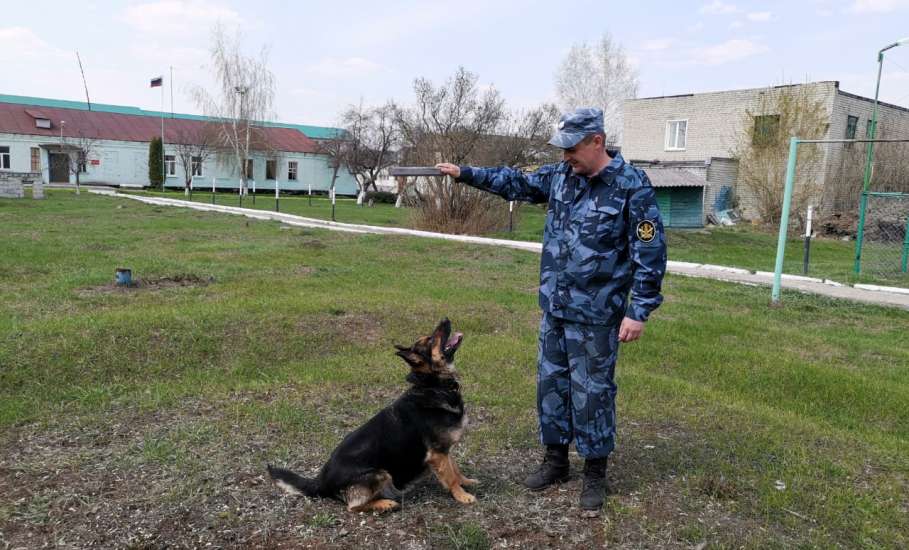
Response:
column 869, row 155
column 241, row 90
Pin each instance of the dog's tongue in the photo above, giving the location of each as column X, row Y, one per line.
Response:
column 455, row 340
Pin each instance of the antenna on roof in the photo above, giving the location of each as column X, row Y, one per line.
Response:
column 87, row 100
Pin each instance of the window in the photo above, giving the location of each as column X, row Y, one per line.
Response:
column 676, row 135
column 36, row 159
column 868, row 132
column 292, row 171
column 197, row 166
column 270, row 168
column 42, row 123
column 249, row 168
column 4, row 157
column 851, row 125
column 80, row 162
column 766, row 128
column 170, row 165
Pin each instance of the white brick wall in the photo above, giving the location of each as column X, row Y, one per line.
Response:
column 717, row 119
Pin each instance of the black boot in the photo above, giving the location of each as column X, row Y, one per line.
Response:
column 554, row 469
column 594, row 484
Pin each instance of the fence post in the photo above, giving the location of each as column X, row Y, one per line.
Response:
column 905, row 261
column 784, row 221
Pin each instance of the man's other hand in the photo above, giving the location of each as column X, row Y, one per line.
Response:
column 630, row 330
column 449, row 169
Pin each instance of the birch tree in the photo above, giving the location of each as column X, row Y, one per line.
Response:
column 597, row 75
column 243, row 98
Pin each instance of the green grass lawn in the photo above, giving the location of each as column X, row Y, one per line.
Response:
column 144, row 416
column 741, row 246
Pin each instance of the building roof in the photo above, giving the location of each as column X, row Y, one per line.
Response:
column 673, row 177
column 313, row 132
column 18, row 118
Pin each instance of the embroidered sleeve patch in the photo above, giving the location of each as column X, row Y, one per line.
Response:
column 646, row 231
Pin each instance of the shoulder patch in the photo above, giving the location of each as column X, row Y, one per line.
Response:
column 646, row 231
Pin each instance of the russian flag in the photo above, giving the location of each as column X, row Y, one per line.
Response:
column 157, row 81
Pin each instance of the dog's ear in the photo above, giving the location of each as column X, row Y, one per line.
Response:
column 414, row 359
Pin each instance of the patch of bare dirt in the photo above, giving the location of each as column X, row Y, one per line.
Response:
column 193, row 476
column 150, row 284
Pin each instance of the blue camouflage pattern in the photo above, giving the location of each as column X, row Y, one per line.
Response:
column 603, row 238
column 576, row 385
column 576, row 125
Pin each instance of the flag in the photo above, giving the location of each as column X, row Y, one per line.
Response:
column 157, row 81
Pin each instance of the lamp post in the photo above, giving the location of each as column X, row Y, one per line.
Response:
column 241, row 91
column 869, row 155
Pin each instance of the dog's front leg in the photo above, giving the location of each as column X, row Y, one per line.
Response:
column 464, row 480
column 448, row 476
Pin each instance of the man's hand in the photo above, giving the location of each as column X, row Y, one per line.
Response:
column 449, row 169
column 630, row 330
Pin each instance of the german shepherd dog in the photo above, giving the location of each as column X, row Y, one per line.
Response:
column 404, row 440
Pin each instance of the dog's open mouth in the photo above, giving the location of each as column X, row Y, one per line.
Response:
column 452, row 344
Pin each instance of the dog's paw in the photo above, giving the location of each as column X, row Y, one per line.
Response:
column 384, row 505
column 464, row 497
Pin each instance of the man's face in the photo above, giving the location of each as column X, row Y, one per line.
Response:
column 586, row 157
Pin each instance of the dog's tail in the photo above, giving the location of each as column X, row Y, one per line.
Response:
column 292, row 483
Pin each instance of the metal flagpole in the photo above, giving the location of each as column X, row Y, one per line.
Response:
column 171, row 91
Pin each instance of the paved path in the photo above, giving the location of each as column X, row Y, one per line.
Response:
column 871, row 294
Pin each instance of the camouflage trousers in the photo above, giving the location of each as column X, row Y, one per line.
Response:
column 575, row 385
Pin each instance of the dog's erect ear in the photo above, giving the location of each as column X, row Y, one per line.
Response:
column 414, row 359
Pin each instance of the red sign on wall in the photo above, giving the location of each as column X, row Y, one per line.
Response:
column 96, row 162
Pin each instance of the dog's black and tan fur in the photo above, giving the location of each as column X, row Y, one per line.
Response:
column 397, row 445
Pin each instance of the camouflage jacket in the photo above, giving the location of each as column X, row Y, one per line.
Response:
column 603, row 237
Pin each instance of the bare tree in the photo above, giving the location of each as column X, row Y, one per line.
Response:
column 457, row 122
column 762, row 149
column 598, row 75
column 76, row 151
column 194, row 145
column 372, row 140
column 522, row 139
column 244, row 98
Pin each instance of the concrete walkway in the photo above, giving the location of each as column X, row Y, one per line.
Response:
column 871, row 294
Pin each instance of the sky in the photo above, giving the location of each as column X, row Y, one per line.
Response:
column 329, row 55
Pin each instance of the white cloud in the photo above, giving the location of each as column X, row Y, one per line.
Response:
column 657, row 44
column 17, row 43
column 729, row 51
column 179, row 16
column 332, row 67
column 736, row 25
column 718, row 7
column 699, row 26
column 878, row 6
column 760, row 16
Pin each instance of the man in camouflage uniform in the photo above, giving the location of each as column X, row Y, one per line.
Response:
column 603, row 238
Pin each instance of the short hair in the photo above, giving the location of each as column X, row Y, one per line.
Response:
column 589, row 137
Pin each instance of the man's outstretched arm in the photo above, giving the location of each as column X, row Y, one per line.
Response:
column 511, row 184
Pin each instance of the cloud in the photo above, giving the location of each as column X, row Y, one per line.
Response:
column 18, row 43
column 657, row 44
column 696, row 27
column 878, row 6
column 760, row 16
column 718, row 7
column 179, row 16
column 350, row 67
column 736, row 25
column 729, row 51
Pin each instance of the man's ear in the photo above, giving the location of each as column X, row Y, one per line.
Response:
column 413, row 358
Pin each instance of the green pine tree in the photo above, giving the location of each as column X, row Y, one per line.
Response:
column 155, row 163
